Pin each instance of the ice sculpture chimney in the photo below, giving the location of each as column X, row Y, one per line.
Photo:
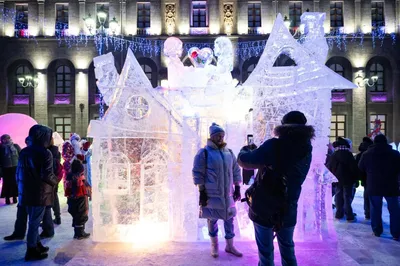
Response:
column 314, row 40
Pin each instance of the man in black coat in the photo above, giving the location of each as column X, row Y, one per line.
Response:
column 288, row 155
column 363, row 148
column 343, row 165
column 36, row 180
column 381, row 165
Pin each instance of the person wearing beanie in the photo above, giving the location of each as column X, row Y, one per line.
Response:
column 381, row 166
column 76, row 190
column 343, row 165
column 366, row 142
column 218, row 177
column 283, row 164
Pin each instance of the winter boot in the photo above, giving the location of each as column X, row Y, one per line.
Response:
column 214, row 246
column 13, row 236
column 8, row 202
column 42, row 248
column 44, row 235
column 80, row 232
column 15, row 200
column 57, row 220
column 231, row 249
column 34, row 254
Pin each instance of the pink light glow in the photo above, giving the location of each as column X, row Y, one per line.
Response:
column 381, row 97
column 21, row 99
column 17, row 126
column 62, row 99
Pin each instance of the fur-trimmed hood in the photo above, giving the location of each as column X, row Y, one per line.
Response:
column 295, row 132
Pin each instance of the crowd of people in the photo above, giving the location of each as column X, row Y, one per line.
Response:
column 33, row 175
column 377, row 168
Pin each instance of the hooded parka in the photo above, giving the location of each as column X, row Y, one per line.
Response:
column 35, row 175
column 218, row 174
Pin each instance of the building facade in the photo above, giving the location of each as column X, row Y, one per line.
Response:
column 48, row 73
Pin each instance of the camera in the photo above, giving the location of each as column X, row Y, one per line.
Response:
column 250, row 139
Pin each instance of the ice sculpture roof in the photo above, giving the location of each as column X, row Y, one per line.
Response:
column 309, row 74
column 136, row 109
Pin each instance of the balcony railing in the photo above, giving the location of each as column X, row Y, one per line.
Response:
column 378, row 96
column 199, row 30
column 62, row 98
column 339, row 96
column 21, row 99
column 254, row 31
column 143, row 31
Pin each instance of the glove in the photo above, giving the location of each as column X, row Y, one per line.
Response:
column 203, row 198
column 86, row 146
column 236, row 194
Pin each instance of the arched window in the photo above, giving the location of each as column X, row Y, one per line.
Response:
column 20, row 72
column 284, row 60
column 248, row 67
column 377, row 69
column 338, row 68
column 63, row 80
column 148, row 71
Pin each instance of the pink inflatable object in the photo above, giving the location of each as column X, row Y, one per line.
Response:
column 17, row 126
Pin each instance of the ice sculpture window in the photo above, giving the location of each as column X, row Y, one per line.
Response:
column 137, row 107
column 21, row 20
column 373, row 118
column 377, row 69
column 338, row 127
column 377, row 15
column 199, row 14
column 284, row 60
column 63, row 80
column 143, row 15
column 62, row 125
column 248, row 67
column 21, row 71
column 336, row 15
column 61, row 19
column 254, row 15
column 295, row 11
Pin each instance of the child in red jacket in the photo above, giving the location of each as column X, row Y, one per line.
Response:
column 75, row 187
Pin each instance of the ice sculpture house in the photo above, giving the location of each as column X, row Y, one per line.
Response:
column 143, row 148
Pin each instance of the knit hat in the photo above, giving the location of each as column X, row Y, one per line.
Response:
column 342, row 142
column 77, row 167
column 215, row 128
column 380, row 139
column 294, row 117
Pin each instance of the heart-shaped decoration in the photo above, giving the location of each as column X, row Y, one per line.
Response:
column 200, row 57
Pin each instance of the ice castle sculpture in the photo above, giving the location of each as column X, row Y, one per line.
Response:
column 143, row 148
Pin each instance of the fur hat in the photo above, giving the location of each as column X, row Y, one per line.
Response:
column 215, row 128
column 294, row 117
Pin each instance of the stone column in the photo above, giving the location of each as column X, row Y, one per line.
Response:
column 242, row 17
column 156, row 18
column 184, row 17
column 81, row 102
column 359, row 107
column 397, row 16
column 214, row 17
column 396, row 107
column 2, row 18
column 123, row 17
column 357, row 15
column 82, row 14
column 40, row 110
column 40, row 17
column 267, row 16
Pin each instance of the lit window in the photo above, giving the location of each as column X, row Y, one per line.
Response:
column 254, row 15
column 143, row 15
column 62, row 126
column 336, row 14
column 338, row 127
column 104, row 7
column 21, row 72
column 377, row 69
column 21, row 20
column 61, row 17
column 377, row 14
column 295, row 11
column 199, row 14
column 63, row 80
column 372, row 124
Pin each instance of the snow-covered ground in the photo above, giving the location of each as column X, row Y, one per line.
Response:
column 356, row 246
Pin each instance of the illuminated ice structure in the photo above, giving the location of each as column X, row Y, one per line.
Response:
column 143, row 148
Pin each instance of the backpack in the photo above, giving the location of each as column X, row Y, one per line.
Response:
column 267, row 197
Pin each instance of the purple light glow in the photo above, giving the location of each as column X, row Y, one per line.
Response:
column 17, row 126
column 379, row 97
column 97, row 99
column 338, row 97
column 21, row 99
column 62, row 99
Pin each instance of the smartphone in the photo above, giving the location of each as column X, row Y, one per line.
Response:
column 250, row 139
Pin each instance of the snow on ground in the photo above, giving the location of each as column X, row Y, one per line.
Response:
column 356, row 246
